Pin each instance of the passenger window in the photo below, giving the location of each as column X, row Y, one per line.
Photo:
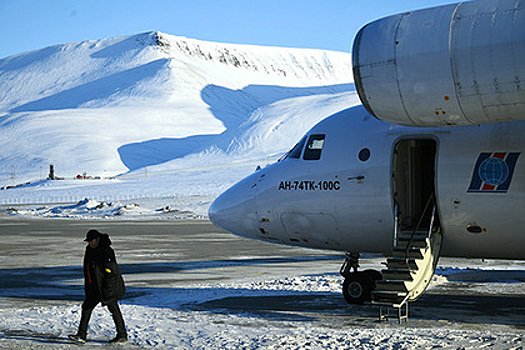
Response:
column 314, row 147
column 295, row 152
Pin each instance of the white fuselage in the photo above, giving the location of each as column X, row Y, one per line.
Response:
column 344, row 200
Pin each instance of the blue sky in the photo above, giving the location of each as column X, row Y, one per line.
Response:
column 329, row 24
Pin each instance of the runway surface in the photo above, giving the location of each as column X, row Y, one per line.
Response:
column 192, row 267
column 189, row 251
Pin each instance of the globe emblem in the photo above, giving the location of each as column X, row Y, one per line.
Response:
column 493, row 171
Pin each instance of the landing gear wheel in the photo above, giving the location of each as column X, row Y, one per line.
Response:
column 376, row 275
column 357, row 287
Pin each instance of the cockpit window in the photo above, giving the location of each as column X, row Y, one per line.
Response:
column 297, row 149
column 314, row 147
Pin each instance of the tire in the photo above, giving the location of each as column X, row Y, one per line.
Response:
column 357, row 288
column 376, row 275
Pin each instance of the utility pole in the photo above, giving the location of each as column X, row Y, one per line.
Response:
column 51, row 172
column 13, row 175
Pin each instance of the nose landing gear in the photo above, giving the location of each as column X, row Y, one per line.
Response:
column 358, row 285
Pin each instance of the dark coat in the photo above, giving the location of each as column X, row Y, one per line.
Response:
column 101, row 272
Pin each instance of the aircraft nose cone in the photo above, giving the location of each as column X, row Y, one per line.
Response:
column 234, row 210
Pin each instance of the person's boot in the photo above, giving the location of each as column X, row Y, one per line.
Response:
column 80, row 337
column 122, row 335
column 77, row 338
column 119, row 339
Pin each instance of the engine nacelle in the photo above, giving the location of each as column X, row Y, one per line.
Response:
column 459, row 64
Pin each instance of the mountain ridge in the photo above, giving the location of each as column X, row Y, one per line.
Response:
column 89, row 105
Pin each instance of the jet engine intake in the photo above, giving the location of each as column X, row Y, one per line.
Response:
column 459, row 64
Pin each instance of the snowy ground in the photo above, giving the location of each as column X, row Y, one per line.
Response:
column 237, row 294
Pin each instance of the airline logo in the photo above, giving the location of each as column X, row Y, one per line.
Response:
column 493, row 172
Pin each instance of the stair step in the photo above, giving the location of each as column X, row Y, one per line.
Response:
column 397, row 275
column 418, row 235
column 392, row 294
column 388, row 298
column 410, row 232
column 416, row 243
column 389, row 293
column 412, row 253
column 401, row 263
column 396, row 286
column 399, row 269
column 402, row 238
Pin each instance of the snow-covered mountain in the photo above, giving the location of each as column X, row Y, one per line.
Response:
column 191, row 117
column 120, row 104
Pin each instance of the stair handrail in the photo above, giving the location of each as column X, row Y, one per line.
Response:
column 430, row 200
column 432, row 219
column 396, row 224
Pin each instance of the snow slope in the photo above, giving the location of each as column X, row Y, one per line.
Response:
column 114, row 105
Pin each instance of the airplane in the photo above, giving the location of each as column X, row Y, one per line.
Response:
column 429, row 166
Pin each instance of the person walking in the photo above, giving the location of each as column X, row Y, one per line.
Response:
column 103, row 283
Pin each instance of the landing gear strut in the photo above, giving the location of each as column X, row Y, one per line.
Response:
column 358, row 285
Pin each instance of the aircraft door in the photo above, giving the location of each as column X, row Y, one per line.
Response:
column 414, row 181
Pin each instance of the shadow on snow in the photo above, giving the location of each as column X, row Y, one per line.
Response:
column 231, row 107
column 56, row 283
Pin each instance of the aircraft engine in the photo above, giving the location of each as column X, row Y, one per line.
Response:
column 459, row 64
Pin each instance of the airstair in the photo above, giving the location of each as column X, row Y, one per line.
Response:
column 409, row 271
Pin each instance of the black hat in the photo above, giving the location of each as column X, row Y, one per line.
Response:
column 91, row 235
